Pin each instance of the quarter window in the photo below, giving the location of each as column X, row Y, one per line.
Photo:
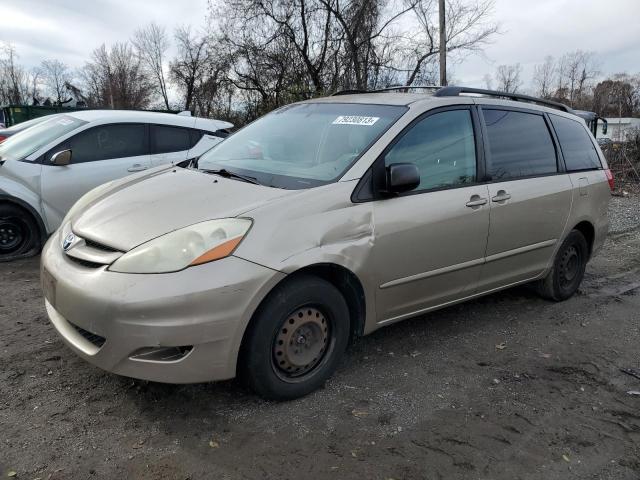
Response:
column 520, row 145
column 442, row 146
column 170, row 139
column 108, row 142
column 577, row 147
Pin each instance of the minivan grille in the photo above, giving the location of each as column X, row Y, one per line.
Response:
column 99, row 246
column 91, row 254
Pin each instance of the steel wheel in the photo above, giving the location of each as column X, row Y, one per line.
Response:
column 301, row 343
column 569, row 267
column 11, row 234
column 295, row 339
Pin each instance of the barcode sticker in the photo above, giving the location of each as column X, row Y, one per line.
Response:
column 355, row 120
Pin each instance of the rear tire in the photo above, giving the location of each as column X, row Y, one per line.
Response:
column 296, row 339
column 568, row 268
column 19, row 234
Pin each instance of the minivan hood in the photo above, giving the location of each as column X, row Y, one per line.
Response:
column 135, row 212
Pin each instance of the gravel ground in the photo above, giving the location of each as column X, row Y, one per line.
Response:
column 508, row 386
column 624, row 213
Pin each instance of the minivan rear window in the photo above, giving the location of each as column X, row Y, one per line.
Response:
column 576, row 145
column 520, row 144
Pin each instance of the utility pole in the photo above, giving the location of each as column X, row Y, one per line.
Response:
column 443, row 43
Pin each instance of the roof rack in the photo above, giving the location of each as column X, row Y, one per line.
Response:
column 405, row 88
column 348, row 92
column 392, row 88
column 455, row 91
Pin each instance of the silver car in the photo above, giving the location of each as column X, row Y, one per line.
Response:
column 46, row 168
column 320, row 222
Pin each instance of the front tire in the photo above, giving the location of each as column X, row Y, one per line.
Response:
column 296, row 339
column 568, row 268
column 19, row 235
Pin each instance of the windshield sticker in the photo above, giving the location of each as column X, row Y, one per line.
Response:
column 355, row 120
column 65, row 121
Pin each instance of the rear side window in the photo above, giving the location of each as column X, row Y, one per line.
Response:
column 166, row 139
column 577, row 148
column 108, row 142
column 520, row 145
column 196, row 135
column 442, row 146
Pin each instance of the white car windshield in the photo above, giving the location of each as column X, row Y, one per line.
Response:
column 23, row 144
column 303, row 145
column 28, row 124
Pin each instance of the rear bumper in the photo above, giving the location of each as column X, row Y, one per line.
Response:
column 205, row 308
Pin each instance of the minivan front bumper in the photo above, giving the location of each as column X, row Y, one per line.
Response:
column 123, row 323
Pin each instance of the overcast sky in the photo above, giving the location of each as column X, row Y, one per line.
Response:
column 70, row 29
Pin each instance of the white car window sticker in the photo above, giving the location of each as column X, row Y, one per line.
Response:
column 355, row 120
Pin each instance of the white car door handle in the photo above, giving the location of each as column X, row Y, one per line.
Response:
column 502, row 196
column 476, row 201
column 137, row 167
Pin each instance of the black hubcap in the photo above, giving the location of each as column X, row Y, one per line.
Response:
column 11, row 234
column 570, row 265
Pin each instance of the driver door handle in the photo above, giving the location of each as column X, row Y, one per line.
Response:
column 501, row 196
column 137, row 167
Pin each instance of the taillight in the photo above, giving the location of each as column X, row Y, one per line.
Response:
column 609, row 175
column 2, row 138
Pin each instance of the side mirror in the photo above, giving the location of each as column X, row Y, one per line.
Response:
column 402, row 177
column 61, row 158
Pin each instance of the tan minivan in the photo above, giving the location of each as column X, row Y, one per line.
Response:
column 322, row 221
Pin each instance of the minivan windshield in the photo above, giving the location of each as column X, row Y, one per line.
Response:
column 303, row 145
column 23, row 144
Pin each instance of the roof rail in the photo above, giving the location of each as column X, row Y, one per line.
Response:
column 348, row 92
column 391, row 88
column 406, row 87
column 453, row 91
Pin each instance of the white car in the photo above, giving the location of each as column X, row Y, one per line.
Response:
column 49, row 166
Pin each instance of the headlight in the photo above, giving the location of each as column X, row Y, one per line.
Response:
column 200, row 243
column 85, row 200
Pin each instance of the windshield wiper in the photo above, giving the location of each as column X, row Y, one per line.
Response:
column 223, row 172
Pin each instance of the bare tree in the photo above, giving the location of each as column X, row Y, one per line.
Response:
column 576, row 71
column 508, row 78
column 488, row 81
column 544, row 77
column 191, row 63
column 15, row 81
column 55, row 75
column 115, row 78
column 151, row 44
column 617, row 96
column 468, row 29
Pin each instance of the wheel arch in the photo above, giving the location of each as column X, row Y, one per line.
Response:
column 340, row 277
column 588, row 230
column 349, row 286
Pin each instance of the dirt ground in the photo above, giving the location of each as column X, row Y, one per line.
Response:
column 506, row 387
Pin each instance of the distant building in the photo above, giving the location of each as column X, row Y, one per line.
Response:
column 619, row 128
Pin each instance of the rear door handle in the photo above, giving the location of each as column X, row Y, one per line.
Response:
column 476, row 201
column 137, row 167
column 502, row 196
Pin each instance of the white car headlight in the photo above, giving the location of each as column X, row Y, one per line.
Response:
column 85, row 200
column 193, row 245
